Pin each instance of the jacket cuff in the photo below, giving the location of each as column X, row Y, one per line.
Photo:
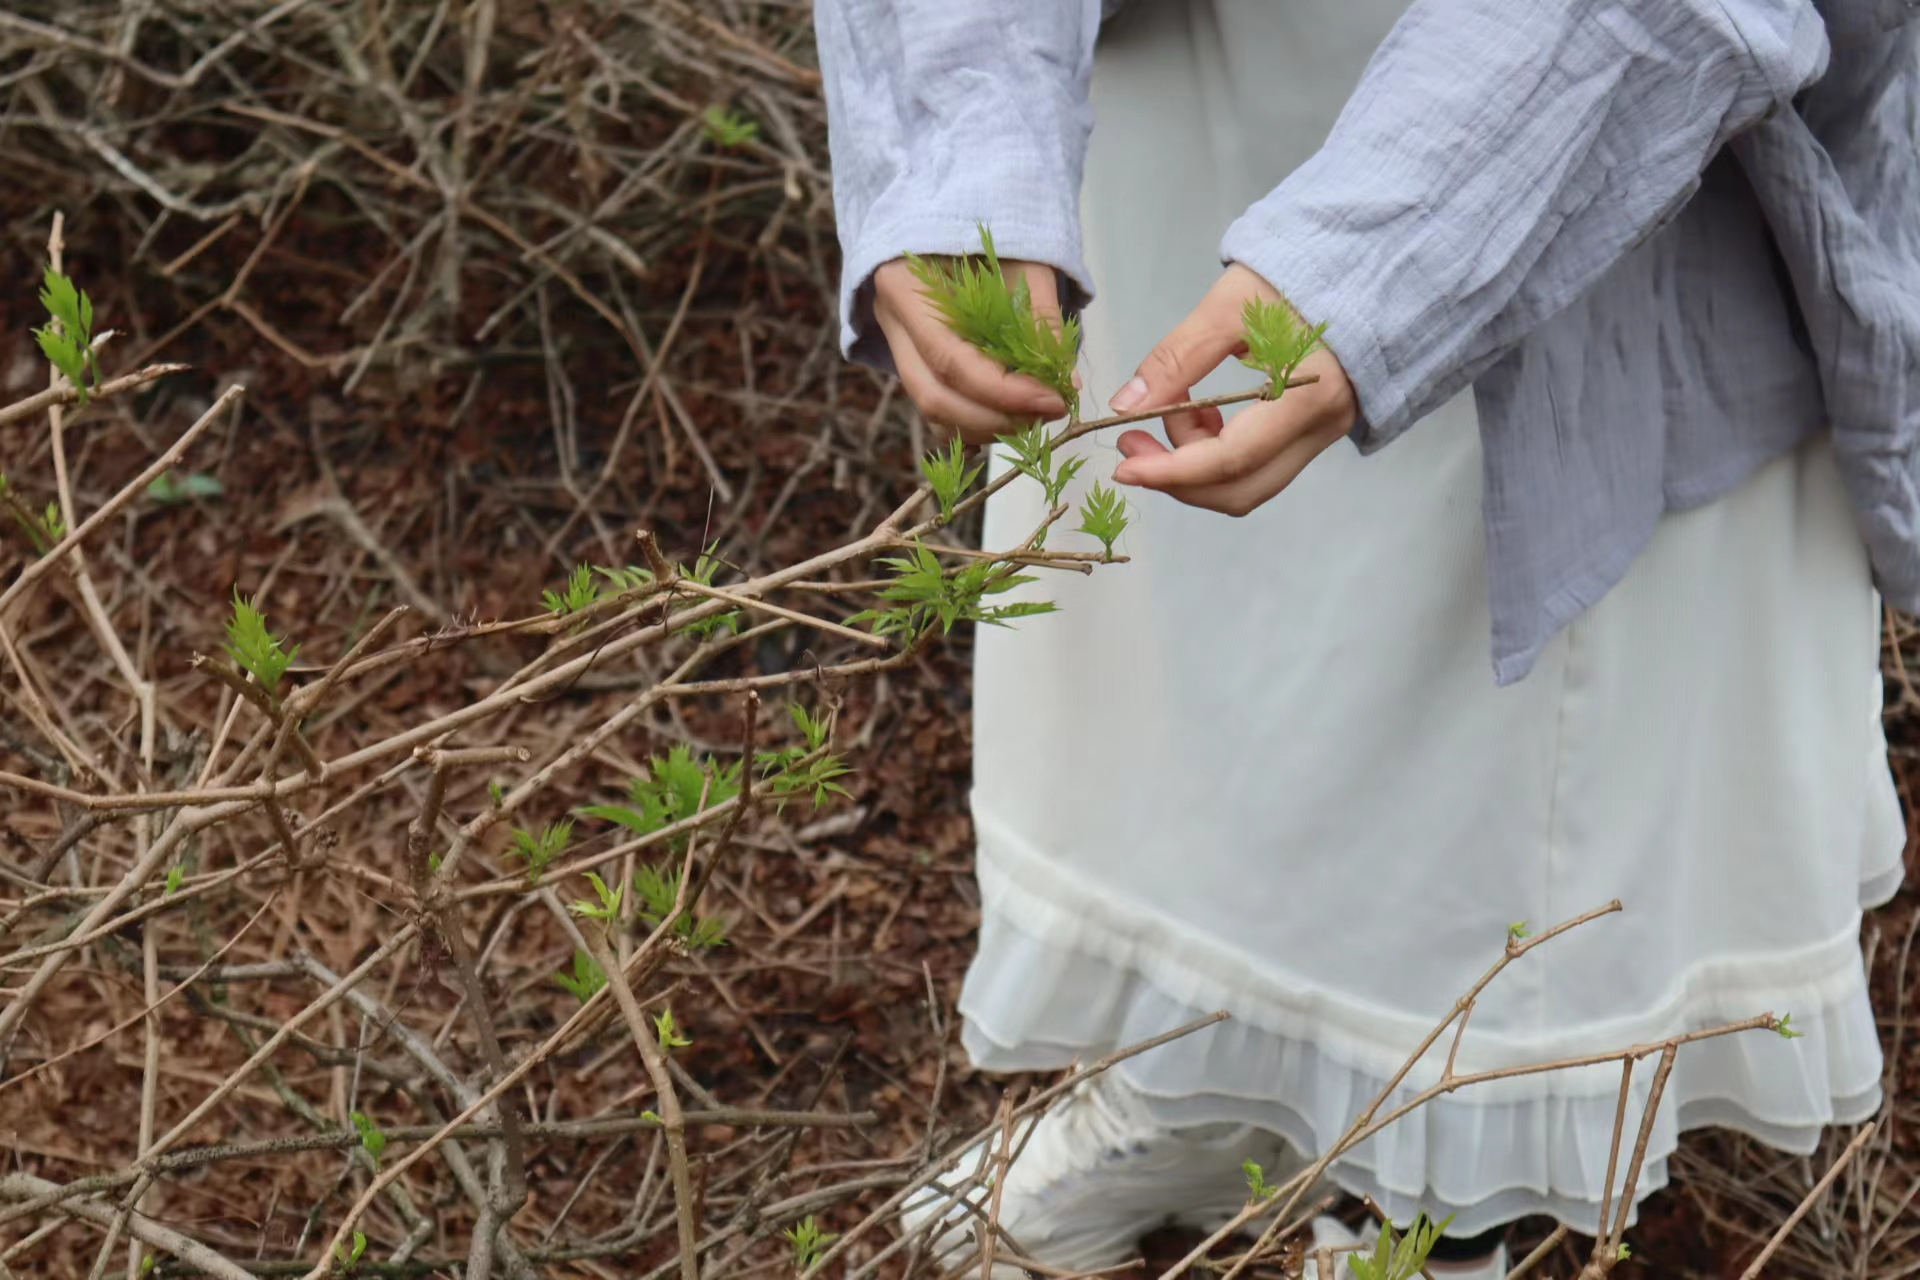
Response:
column 1052, row 237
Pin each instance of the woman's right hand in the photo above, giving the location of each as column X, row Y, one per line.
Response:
column 956, row 387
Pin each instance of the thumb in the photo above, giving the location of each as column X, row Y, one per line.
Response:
column 1210, row 333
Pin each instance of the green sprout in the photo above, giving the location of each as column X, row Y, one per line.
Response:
column 675, row 786
column 43, row 528
column 176, row 876
column 372, row 1139
column 540, row 850
column 808, row 1241
column 67, row 338
column 630, row 578
column 949, row 475
column 1784, row 1028
column 1032, row 457
column 1400, row 1259
column 659, row 890
column 1518, row 931
column 972, row 295
column 579, row 592
column 253, row 648
column 804, row 768
column 1104, row 515
column 348, row 1260
column 925, row 594
column 586, row 979
column 1257, row 1186
column 669, row 1033
column 608, row 908
column 725, row 127
column 171, row 488
column 705, row 566
column 1278, row 340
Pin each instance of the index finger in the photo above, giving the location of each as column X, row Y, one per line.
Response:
column 1246, row 442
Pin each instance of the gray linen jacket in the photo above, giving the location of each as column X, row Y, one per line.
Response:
column 1664, row 240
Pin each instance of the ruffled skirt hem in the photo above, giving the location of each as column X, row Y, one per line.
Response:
column 1058, row 979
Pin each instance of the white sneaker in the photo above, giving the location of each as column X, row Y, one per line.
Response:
column 1329, row 1232
column 1095, row 1176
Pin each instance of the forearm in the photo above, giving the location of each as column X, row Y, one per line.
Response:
column 943, row 116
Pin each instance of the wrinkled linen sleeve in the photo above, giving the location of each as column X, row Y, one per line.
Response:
column 1496, row 159
column 946, row 114
column 1839, row 182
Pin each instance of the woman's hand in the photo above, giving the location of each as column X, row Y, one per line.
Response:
column 1231, row 467
column 955, row 386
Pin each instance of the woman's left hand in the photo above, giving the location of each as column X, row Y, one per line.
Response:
column 1231, row 467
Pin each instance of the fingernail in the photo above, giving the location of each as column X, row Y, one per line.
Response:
column 1117, row 477
column 1129, row 397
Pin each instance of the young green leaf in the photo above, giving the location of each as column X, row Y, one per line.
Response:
column 670, row 1037
column 253, row 648
column 40, row 532
column 927, row 594
column 1257, row 1186
column 659, row 890
column 949, row 475
column 630, row 578
column 1277, row 341
column 579, row 592
column 371, row 1137
column 808, row 1241
column 972, row 295
column 807, row 768
column 1784, row 1028
column 1402, row 1258
column 586, row 979
column 814, row 778
column 813, row 728
column 1030, row 452
column 703, row 571
column 670, row 790
column 608, row 908
column 727, row 128
column 67, row 339
column 176, row 876
column 540, row 850
column 348, row 1259
column 171, row 488
column 1104, row 515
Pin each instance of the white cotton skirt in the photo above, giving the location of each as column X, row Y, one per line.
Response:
column 1264, row 766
